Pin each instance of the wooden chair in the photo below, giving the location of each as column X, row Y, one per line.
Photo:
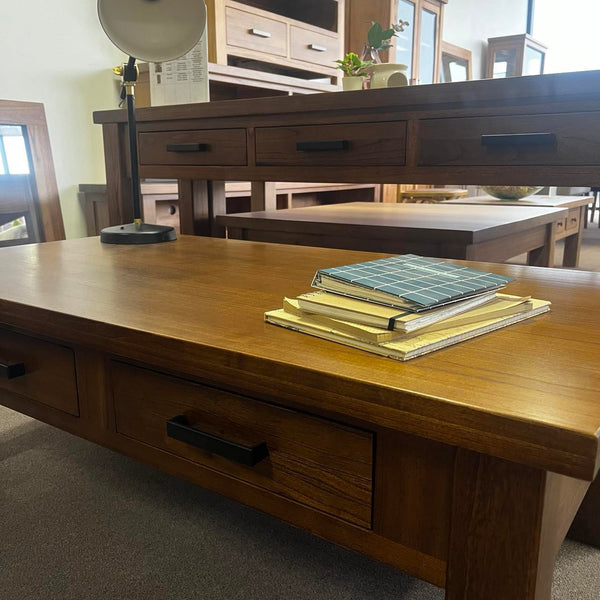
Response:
column 35, row 196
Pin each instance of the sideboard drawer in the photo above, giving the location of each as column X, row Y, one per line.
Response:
column 313, row 47
column 573, row 218
column 39, row 370
column 557, row 139
column 225, row 147
column 255, row 32
column 308, row 459
column 348, row 144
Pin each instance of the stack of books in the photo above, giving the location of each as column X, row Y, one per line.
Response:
column 404, row 306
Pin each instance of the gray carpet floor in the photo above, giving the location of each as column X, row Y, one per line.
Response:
column 79, row 522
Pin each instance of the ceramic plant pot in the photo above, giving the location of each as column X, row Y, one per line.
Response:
column 352, row 83
column 388, row 75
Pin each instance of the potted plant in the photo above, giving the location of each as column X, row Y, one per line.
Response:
column 384, row 74
column 355, row 70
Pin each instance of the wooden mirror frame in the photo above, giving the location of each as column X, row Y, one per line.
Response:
column 32, row 117
column 458, row 52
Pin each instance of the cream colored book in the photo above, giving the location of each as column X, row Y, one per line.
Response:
column 408, row 346
column 384, row 317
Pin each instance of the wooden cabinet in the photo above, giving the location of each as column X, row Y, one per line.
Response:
column 514, row 55
column 418, row 46
column 299, row 40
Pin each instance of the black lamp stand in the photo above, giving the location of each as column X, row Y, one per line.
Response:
column 137, row 232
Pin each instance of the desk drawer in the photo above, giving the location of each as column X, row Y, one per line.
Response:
column 559, row 139
column 313, row 47
column 255, row 32
column 225, row 147
column 347, row 144
column 39, row 370
column 311, row 460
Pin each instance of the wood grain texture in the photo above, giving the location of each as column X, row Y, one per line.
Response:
column 413, row 492
column 498, row 394
column 312, row 461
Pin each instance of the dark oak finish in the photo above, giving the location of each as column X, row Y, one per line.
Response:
column 478, row 233
column 436, row 149
column 482, row 433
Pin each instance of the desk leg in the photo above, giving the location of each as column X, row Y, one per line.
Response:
column 544, row 255
column 586, row 526
column 573, row 242
column 508, row 521
column 199, row 202
column 118, row 183
column 263, row 196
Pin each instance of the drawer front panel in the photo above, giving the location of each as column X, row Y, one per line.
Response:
column 48, row 371
column 310, row 460
column 559, row 139
column 313, row 47
column 255, row 32
column 201, row 147
column 332, row 145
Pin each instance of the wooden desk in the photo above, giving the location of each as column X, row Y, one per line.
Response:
column 457, row 133
column 490, row 233
column 464, row 467
column 571, row 229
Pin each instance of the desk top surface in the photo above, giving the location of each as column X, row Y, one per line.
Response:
column 550, row 201
column 195, row 307
column 466, row 223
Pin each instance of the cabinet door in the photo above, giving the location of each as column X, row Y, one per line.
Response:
column 405, row 52
column 429, row 42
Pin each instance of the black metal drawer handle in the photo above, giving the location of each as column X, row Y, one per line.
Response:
column 323, row 146
column 519, row 139
column 11, row 370
column 179, row 428
column 260, row 33
column 188, row 147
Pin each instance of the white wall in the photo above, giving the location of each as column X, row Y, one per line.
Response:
column 57, row 53
column 469, row 23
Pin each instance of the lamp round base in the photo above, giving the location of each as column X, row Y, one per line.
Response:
column 132, row 233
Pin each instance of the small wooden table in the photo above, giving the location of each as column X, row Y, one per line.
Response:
column 572, row 228
column 490, row 233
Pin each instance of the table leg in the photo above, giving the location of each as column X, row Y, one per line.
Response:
column 118, row 183
column 573, row 242
column 586, row 526
column 263, row 196
column 199, row 202
column 544, row 255
column 508, row 521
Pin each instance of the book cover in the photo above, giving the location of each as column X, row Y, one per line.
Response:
column 408, row 281
column 341, row 307
column 500, row 305
column 409, row 346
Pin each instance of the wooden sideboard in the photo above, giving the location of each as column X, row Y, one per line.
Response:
column 542, row 130
column 464, row 467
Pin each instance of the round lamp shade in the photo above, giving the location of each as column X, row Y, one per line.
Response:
column 153, row 30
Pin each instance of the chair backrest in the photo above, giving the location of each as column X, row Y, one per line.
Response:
column 38, row 192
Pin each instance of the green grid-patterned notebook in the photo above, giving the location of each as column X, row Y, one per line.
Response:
column 408, row 281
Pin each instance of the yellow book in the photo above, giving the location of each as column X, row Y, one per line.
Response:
column 384, row 317
column 407, row 346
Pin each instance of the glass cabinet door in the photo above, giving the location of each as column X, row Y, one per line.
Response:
column 533, row 62
column 505, row 64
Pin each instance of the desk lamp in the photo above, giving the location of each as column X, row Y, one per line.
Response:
column 153, row 31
